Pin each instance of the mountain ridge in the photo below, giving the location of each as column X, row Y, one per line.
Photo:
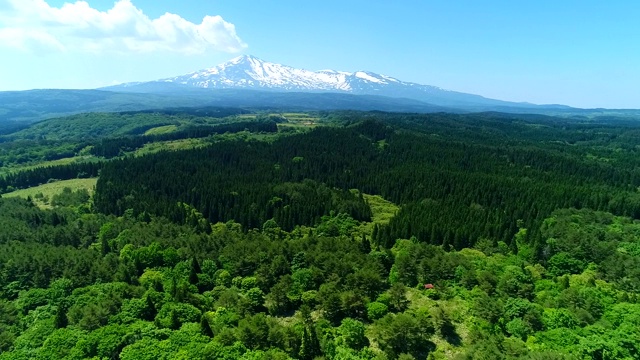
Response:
column 268, row 74
column 360, row 90
column 250, row 72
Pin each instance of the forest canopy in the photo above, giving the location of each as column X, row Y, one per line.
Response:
column 349, row 236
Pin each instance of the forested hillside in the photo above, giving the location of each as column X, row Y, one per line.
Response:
column 489, row 237
column 453, row 192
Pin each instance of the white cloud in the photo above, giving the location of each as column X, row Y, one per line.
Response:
column 34, row 25
column 29, row 40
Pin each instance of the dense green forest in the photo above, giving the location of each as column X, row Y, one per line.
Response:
column 76, row 138
column 512, row 237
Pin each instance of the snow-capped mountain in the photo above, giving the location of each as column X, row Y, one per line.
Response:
column 249, row 72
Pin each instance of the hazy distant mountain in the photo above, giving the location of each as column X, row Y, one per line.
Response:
column 34, row 105
column 248, row 72
column 250, row 83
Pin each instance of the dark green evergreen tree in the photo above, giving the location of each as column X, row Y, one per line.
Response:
column 365, row 244
column 61, row 320
column 194, row 271
column 310, row 345
column 104, row 246
column 205, row 328
column 150, row 311
column 175, row 320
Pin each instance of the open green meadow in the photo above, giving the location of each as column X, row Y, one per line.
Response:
column 65, row 161
column 42, row 193
column 161, row 130
column 381, row 212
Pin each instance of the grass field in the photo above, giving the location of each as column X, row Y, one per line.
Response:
column 299, row 117
column 246, row 116
column 161, row 130
column 182, row 144
column 65, row 161
column 50, row 189
column 299, row 120
column 382, row 211
column 294, row 119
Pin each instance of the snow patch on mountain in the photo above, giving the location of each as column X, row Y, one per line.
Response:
column 249, row 71
column 365, row 76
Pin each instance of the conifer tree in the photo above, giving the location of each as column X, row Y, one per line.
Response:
column 195, row 270
column 205, row 328
column 365, row 245
column 104, row 245
column 310, row 346
column 175, row 320
column 150, row 310
column 61, row 319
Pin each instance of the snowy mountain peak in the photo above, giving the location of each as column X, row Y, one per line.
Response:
column 250, row 72
column 245, row 72
column 243, row 60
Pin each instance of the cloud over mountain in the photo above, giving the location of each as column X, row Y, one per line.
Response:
column 34, row 25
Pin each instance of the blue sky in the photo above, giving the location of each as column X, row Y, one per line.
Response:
column 580, row 53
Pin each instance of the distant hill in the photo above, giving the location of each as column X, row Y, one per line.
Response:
column 34, row 105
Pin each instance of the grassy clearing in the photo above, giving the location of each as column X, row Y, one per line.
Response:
column 294, row 119
column 185, row 144
column 299, row 117
column 182, row 144
column 54, row 188
column 65, row 161
column 161, row 130
column 300, row 120
column 456, row 309
column 246, row 116
column 382, row 211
